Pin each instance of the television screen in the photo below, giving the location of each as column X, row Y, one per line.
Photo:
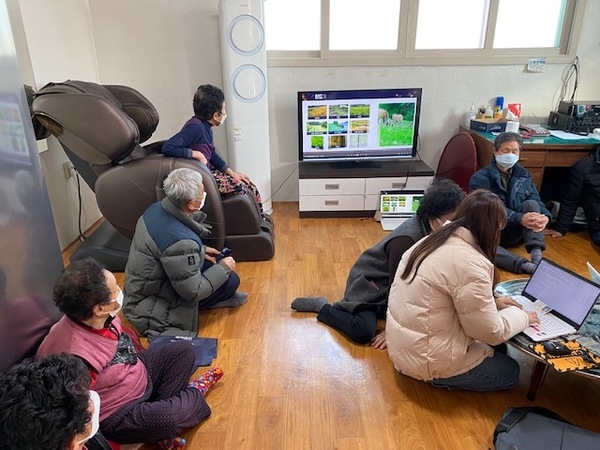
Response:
column 357, row 125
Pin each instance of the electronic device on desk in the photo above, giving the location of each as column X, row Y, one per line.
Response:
column 358, row 128
column 579, row 117
column 534, row 130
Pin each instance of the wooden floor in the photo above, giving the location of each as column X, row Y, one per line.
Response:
column 293, row 383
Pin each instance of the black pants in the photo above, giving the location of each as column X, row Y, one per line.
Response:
column 359, row 327
column 513, row 235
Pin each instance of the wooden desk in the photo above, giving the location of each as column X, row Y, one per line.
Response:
column 537, row 153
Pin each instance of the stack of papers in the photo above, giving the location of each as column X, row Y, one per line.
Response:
column 568, row 136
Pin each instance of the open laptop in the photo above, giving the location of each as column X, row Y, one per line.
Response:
column 562, row 299
column 397, row 206
column 594, row 275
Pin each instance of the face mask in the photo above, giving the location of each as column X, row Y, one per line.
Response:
column 507, row 160
column 119, row 301
column 202, row 201
column 95, row 399
column 223, row 117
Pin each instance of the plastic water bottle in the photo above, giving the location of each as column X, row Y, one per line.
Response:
column 471, row 115
column 489, row 112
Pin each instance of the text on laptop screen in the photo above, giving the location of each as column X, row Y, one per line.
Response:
column 401, row 203
column 563, row 291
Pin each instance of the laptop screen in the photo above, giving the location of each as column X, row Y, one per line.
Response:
column 400, row 202
column 567, row 293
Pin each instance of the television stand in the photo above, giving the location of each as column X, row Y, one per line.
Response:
column 329, row 191
column 356, row 164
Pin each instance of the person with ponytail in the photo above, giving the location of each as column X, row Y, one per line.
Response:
column 444, row 325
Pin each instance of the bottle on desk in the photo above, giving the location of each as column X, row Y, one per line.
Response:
column 489, row 112
column 471, row 115
column 499, row 107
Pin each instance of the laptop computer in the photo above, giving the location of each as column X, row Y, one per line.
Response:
column 562, row 299
column 397, row 206
column 594, row 274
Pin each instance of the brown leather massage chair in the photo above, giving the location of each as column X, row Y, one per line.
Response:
column 101, row 129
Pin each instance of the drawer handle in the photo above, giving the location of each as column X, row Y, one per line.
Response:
column 398, row 185
column 332, row 202
column 331, row 187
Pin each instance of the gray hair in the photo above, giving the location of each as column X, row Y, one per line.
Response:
column 182, row 185
column 508, row 136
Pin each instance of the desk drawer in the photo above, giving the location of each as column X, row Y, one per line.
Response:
column 564, row 158
column 532, row 158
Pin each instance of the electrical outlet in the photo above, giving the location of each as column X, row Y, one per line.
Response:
column 68, row 168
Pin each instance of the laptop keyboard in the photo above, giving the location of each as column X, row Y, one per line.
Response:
column 549, row 324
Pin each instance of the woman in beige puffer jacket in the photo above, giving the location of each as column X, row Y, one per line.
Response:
column 443, row 318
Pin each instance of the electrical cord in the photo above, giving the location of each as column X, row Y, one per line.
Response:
column 570, row 72
column 281, row 185
column 80, row 204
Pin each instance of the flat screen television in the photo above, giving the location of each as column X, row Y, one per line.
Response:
column 358, row 127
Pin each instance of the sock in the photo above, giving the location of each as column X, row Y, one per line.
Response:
column 309, row 304
column 536, row 255
column 237, row 299
column 172, row 444
column 207, row 380
column 528, row 267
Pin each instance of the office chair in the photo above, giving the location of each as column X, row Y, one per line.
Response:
column 101, row 129
column 459, row 160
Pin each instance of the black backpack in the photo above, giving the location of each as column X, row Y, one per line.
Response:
column 539, row 428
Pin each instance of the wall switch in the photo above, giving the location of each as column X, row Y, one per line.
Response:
column 68, row 167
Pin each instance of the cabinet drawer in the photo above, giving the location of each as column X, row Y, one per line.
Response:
column 332, row 203
column 332, row 186
column 529, row 158
column 375, row 185
column 564, row 159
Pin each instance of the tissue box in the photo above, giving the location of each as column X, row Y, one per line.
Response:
column 488, row 125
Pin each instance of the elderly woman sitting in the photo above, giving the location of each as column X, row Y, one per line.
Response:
column 145, row 396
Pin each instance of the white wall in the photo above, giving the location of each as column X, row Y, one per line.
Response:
column 166, row 49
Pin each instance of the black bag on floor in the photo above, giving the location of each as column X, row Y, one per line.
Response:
column 534, row 428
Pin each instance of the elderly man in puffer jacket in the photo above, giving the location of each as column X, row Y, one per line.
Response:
column 170, row 274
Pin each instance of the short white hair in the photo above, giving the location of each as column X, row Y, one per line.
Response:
column 182, row 185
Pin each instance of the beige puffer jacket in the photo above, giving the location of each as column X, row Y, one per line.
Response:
column 440, row 324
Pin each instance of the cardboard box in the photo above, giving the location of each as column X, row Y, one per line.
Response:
column 488, row 125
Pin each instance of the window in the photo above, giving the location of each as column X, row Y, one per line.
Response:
column 412, row 32
column 354, row 25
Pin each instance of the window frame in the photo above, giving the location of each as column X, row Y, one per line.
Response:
column 407, row 55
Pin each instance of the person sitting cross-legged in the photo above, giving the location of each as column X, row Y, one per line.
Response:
column 527, row 215
column 170, row 274
column 145, row 396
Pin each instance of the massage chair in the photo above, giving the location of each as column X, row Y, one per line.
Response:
column 101, row 129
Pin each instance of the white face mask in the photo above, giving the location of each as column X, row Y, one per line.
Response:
column 507, row 160
column 95, row 399
column 223, row 117
column 119, row 301
column 202, row 201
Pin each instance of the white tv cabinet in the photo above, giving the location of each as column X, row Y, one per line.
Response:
column 326, row 191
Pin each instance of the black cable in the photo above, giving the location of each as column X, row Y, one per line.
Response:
column 80, row 204
column 571, row 70
column 281, row 185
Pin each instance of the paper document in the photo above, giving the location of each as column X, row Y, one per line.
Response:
column 567, row 136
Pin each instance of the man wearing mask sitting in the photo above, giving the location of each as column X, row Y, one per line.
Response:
column 527, row 215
